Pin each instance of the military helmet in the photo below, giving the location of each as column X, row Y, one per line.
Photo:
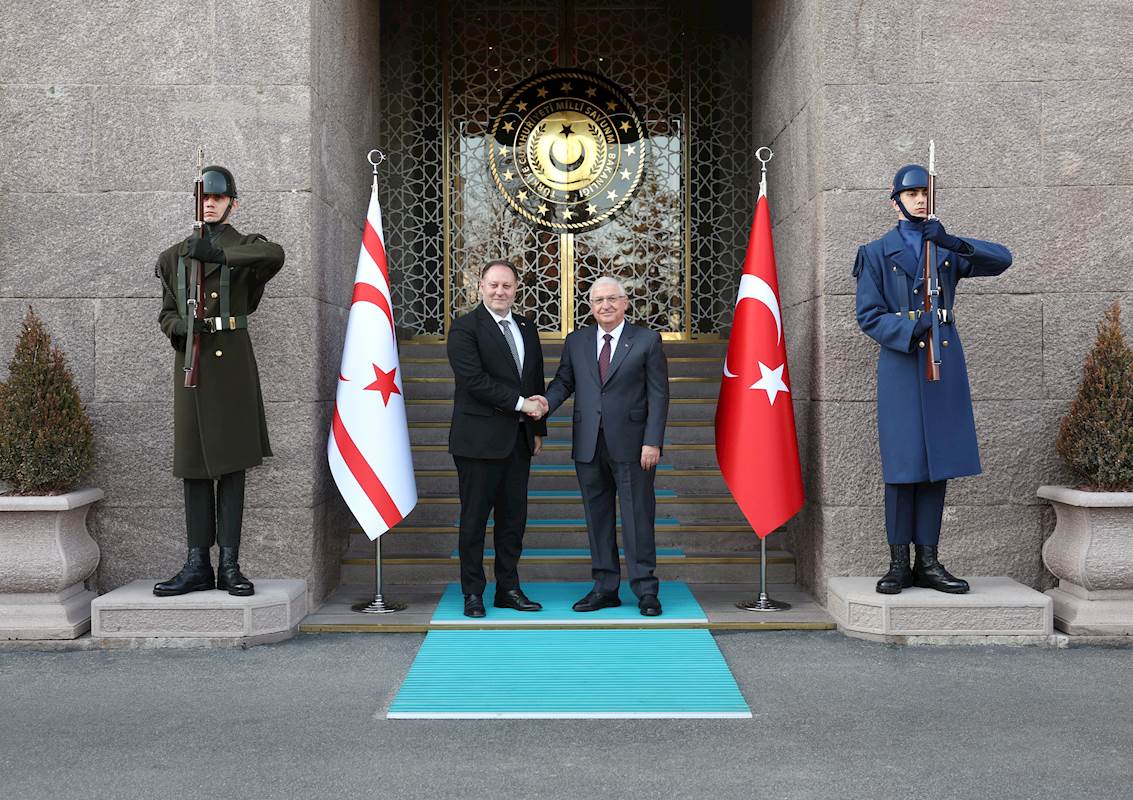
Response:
column 218, row 180
column 910, row 176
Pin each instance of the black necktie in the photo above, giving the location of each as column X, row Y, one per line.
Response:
column 604, row 357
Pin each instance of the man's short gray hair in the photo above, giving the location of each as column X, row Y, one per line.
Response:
column 607, row 280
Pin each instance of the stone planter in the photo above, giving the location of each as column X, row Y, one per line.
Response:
column 1091, row 554
column 45, row 556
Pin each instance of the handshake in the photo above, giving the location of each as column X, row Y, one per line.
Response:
column 535, row 406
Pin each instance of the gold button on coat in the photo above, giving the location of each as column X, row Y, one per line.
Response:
column 919, row 344
column 219, row 353
column 214, row 295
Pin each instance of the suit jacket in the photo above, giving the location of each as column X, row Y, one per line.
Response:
column 631, row 407
column 484, row 419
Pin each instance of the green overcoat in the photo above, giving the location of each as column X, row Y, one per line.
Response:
column 219, row 427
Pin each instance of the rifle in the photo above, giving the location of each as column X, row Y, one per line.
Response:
column 931, row 279
column 196, row 301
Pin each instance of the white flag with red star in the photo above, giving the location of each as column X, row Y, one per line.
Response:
column 368, row 447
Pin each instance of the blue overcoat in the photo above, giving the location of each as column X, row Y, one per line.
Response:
column 926, row 430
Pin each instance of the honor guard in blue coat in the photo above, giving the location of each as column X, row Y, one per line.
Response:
column 926, row 428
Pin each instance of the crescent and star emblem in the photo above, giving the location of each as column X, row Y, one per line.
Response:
column 567, row 150
column 752, row 287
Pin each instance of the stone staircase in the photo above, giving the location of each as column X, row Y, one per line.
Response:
column 702, row 537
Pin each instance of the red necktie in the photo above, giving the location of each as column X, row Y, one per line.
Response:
column 604, row 357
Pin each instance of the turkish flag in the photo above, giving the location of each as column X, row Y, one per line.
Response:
column 368, row 448
column 756, row 445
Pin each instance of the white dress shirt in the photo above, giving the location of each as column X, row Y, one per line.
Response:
column 517, row 337
column 616, row 333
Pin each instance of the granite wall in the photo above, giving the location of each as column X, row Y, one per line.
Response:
column 97, row 157
column 1033, row 131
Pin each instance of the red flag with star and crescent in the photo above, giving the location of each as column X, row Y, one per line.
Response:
column 368, row 448
column 756, row 444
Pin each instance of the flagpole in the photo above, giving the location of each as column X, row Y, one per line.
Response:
column 379, row 605
column 763, row 601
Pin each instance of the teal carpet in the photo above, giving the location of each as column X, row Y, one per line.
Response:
column 565, row 674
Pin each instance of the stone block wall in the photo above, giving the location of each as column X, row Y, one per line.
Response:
column 97, row 156
column 1033, row 134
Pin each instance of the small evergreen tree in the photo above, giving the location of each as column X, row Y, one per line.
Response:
column 46, row 442
column 1096, row 437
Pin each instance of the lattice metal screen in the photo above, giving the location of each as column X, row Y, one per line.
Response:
column 677, row 247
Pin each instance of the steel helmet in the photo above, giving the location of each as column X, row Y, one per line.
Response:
column 910, row 176
column 219, row 180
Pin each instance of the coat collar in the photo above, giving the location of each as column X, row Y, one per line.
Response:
column 228, row 236
column 898, row 252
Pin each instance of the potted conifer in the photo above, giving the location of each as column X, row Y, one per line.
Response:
column 1091, row 549
column 46, row 446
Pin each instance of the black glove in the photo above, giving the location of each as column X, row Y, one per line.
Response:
column 934, row 232
column 204, row 251
column 924, row 322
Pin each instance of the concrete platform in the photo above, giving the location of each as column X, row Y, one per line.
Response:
column 272, row 614
column 997, row 610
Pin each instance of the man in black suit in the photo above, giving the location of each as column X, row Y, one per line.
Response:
column 496, row 428
column 620, row 381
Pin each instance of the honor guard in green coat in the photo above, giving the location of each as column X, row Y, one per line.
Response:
column 219, row 424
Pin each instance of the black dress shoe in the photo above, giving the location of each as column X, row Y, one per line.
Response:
column 195, row 576
column 649, row 605
column 597, row 600
column 515, row 598
column 929, row 573
column 473, row 606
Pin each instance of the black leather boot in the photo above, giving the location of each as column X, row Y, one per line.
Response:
column 195, row 576
column 228, row 575
column 900, row 575
column 928, row 573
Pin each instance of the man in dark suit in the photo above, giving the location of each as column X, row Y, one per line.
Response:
column 620, row 381
column 497, row 427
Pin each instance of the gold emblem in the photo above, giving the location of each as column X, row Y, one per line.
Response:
column 567, row 150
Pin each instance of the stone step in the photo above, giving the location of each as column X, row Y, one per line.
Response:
column 700, row 431
column 693, row 568
column 679, row 387
column 717, row 599
column 132, row 611
column 552, row 348
column 439, row 409
column 679, row 366
column 436, row 511
column 997, row 610
column 562, row 477
column 401, row 542
column 557, row 451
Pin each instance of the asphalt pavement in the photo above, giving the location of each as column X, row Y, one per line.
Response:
column 833, row 718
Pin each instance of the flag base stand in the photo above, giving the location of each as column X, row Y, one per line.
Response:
column 379, row 605
column 763, row 602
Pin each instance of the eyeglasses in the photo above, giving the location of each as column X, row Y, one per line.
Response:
column 611, row 299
